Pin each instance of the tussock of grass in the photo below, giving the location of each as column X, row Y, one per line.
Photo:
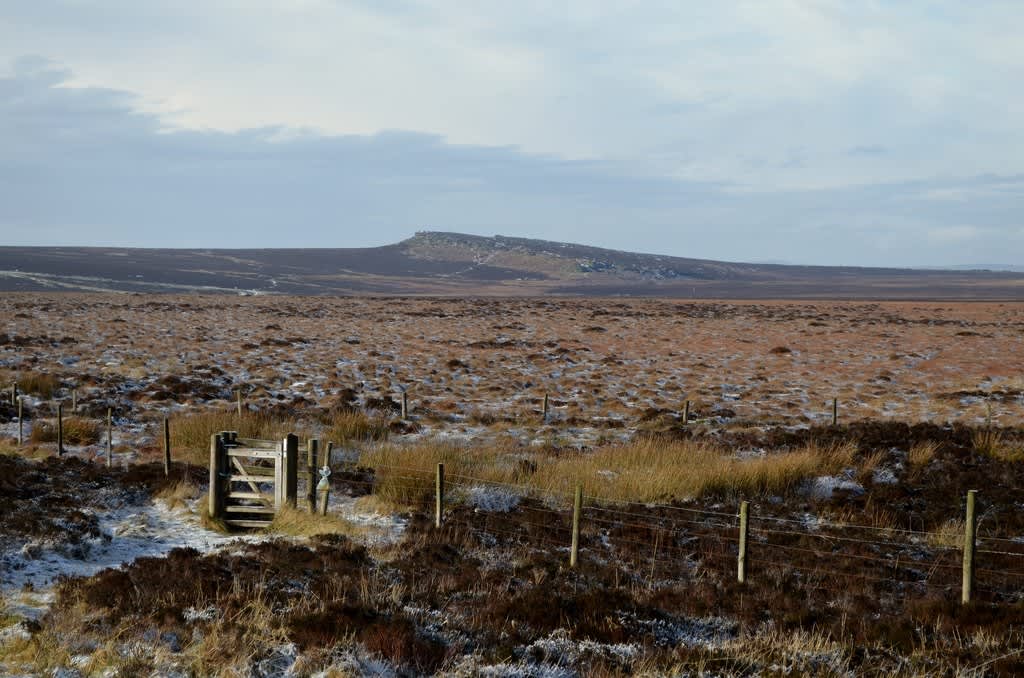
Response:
column 77, row 431
column 180, row 495
column 298, row 523
column 922, row 453
column 190, row 434
column 40, row 384
column 644, row 471
column 950, row 533
column 352, row 425
column 990, row 443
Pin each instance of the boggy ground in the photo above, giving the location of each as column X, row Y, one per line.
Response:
column 853, row 578
column 481, row 366
column 854, row 554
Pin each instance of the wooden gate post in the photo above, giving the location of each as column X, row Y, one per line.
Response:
column 238, row 395
column 291, row 470
column 216, row 486
column 312, row 448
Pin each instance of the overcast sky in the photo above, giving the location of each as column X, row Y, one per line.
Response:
column 861, row 132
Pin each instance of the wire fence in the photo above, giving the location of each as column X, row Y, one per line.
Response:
column 672, row 541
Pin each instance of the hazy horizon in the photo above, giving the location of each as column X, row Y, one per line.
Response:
column 815, row 132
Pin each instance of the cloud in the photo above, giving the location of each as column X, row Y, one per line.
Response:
column 84, row 165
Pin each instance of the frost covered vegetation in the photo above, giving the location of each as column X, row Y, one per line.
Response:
column 856, row 529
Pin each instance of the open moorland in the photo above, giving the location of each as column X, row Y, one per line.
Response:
column 668, row 414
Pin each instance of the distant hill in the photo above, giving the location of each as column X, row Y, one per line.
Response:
column 436, row 263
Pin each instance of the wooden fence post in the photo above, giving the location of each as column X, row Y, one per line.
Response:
column 686, row 413
column 167, row 447
column 60, row 429
column 291, row 469
column 74, row 400
column 216, row 486
column 405, row 405
column 577, row 508
column 238, row 398
column 439, row 496
column 312, row 448
column 835, row 411
column 741, row 571
column 110, row 434
column 546, row 407
column 21, row 421
column 14, row 392
column 969, row 541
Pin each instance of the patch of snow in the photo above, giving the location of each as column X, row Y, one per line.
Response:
column 492, row 499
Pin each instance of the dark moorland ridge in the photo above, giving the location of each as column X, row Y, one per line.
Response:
column 433, row 263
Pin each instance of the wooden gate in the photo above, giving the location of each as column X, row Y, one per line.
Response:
column 251, row 479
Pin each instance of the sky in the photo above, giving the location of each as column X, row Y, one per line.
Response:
column 797, row 131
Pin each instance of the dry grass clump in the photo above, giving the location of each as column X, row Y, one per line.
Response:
column 352, row 425
column 77, row 431
column 921, row 453
column 950, row 533
column 40, row 384
column 179, row 495
column 190, row 434
column 660, row 470
column 295, row 522
column 645, row 470
column 405, row 474
column 990, row 443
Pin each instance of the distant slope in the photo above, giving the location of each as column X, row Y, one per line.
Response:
column 435, row 263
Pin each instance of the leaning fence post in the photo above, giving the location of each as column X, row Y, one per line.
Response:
column 21, row 420
column 969, row 529
column 291, row 470
column 312, row 448
column 60, row 429
column 835, row 411
column 110, row 434
column 577, row 507
column 167, row 447
column 215, row 471
column 741, row 571
column 439, row 496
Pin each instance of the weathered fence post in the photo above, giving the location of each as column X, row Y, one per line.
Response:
column 60, row 429
column 405, row 405
column 167, row 447
column 686, row 413
column 110, row 434
column 291, row 469
column 439, row 496
column 324, row 486
column 835, row 411
column 547, row 407
column 312, row 448
column 577, row 508
column 21, row 421
column 969, row 529
column 238, row 399
column 74, row 400
column 741, row 571
column 14, row 392
column 216, row 486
